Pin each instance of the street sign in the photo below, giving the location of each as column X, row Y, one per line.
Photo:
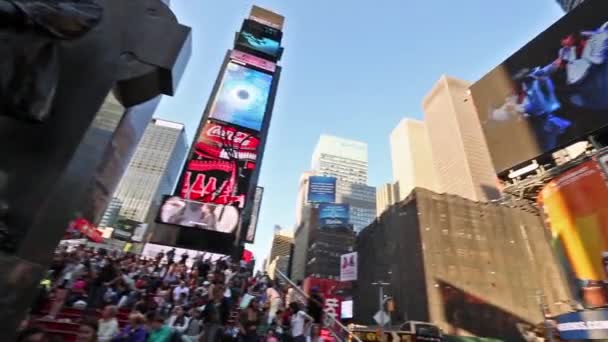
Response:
column 382, row 318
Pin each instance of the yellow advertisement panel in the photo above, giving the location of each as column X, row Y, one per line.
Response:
column 575, row 205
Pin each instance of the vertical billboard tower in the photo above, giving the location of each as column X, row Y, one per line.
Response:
column 212, row 206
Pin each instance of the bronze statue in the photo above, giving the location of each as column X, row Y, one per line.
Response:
column 29, row 33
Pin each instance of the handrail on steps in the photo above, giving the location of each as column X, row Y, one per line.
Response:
column 333, row 319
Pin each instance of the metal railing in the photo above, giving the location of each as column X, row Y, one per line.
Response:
column 339, row 330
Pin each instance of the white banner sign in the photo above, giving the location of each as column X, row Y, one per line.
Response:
column 348, row 267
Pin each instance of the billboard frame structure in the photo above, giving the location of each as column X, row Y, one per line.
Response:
column 218, row 242
column 520, row 68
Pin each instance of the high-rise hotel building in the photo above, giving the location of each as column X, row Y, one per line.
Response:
column 346, row 160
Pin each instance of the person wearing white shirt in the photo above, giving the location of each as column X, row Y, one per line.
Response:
column 108, row 325
column 274, row 298
column 179, row 321
column 177, row 292
column 299, row 321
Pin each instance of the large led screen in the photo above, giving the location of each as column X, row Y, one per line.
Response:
column 255, row 214
column 333, row 214
column 260, row 39
column 321, row 189
column 551, row 92
column 151, row 251
column 575, row 205
column 180, row 212
column 242, row 97
column 220, row 168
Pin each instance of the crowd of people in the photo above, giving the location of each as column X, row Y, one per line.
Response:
column 167, row 300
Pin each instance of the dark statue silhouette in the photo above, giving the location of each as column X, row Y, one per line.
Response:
column 29, row 61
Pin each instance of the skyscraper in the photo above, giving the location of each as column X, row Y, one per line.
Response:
column 302, row 200
column 347, row 161
column 412, row 158
column 568, row 5
column 386, row 195
column 341, row 158
column 460, row 154
column 152, row 172
column 280, row 251
column 281, row 243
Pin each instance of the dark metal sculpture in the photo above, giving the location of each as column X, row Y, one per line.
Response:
column 29, row 66
column 59, row 59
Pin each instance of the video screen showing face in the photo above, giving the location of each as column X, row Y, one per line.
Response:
column 219, row 218
column 550, row 93
column 221, row 166
column 242, row 97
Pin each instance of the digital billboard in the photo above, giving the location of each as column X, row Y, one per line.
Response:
column 333, row 214
column 175, row 210
column 321, row 189
column 550, row 93
column 575, row 205
column 260, row 39
column 255, row 213
column 242, row 97
column 124, row 229
column 220, row 168
column 152, row 250
column 583, row 325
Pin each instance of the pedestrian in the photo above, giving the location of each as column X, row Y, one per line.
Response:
column 315, row 305
column 87, row 332
column 249, row 321
column 299, row 323
column 159, row 332
column 274, row 298
column 134, row 331
column 271, row 335
column 178, row 321
column 108, row 324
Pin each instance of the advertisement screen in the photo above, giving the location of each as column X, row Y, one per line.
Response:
column 333, row 214
column 583, row 325
column 261, row 39
column 549, row 93
column 255, row 213
column 124, row 229
column 346, row 311
column 220, row 168
column 321, row 189
column 348, row 267
column 152, row 251
column 576, row 211
column 242, row 97
column 218, row 218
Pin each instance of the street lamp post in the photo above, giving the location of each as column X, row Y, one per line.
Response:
column 381, row 286
column 540, row 297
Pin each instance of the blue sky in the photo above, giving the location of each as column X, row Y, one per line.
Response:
column 351, row 68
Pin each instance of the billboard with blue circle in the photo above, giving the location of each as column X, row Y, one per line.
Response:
column 242, row 97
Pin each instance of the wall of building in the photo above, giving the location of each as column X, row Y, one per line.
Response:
column 302, row 237
column 361, row 199
column 389, row 250
column 386, row 195
column 153, row 170
column 478, row 266
column 412, row 157
column 462, row 161
column 327, row 245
